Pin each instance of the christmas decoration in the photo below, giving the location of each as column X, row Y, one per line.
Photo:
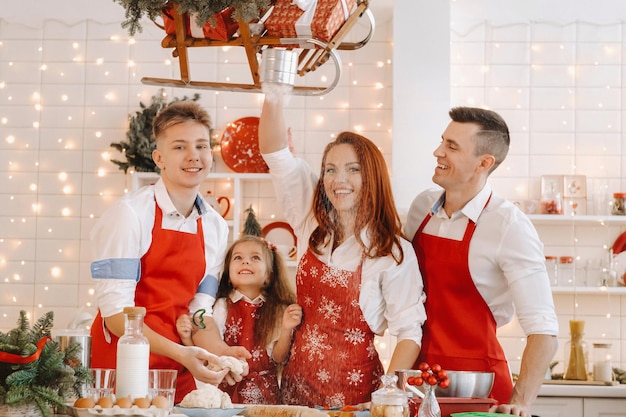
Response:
column 251, row 225
column 205, row 10
column 139, row 144
column 34, row 370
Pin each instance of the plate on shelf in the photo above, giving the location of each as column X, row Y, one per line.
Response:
column 240, row 146
column 281, row 234
column 620, row 244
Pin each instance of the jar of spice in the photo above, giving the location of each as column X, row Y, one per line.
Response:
column 566, row 271
column 552, row 201
column 618, row 207
column 602, row 368
column 552, row 269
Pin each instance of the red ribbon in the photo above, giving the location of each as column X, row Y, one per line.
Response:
column 21, row 360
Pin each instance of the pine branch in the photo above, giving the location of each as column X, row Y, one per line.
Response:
column 47, row 381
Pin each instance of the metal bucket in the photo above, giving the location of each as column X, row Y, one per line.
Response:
column 67, row 337
column 279, row 66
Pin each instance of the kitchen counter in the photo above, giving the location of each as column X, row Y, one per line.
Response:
column 608, row 391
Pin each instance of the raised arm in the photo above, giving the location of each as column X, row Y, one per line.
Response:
column 272, row 127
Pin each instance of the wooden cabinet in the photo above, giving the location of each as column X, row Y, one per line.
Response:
column 558, row 407
column 604, row 407
column 579, row 407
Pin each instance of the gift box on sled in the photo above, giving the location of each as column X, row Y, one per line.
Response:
column 221, row 27
column 317, row 19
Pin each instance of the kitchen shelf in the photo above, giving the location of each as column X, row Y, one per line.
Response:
column 563, row 219
column 140, row 179
column 589, row 290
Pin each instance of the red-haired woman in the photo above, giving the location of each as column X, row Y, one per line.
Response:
column 357, row 275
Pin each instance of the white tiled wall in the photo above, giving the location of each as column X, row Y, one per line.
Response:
column 67, row 87
column 66, row 90
column 560, row 86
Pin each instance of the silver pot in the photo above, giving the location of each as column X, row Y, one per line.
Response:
column 279, row 66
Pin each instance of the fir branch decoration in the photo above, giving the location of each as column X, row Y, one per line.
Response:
column 244, row 10
column 47, row 381
column 251, row 225
column 139, row 143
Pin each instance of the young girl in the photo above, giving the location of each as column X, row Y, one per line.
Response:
column 255, row 308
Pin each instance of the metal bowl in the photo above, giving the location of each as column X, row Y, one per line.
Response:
column 463, row 384
column 467, row 384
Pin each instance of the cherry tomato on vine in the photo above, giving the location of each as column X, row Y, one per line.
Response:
column 410, row 380
column 445, row 383
column 435, row 368
column 432, row 380
column 423, row 366
column 419, row 381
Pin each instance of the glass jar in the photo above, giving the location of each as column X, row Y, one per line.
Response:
column 576, row 352
column 618, row 207
column 389, row 401
column 566, row 271
column 602, row 367
column 552, row 269
column 133, row 356
column 552, row 201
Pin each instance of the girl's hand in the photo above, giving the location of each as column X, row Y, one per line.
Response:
column 292, row 317
column 184, row 328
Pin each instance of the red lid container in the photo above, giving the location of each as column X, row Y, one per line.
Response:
column 451, row 405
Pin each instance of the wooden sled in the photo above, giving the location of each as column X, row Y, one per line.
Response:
column 314, row 54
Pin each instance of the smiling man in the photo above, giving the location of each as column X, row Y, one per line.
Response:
column 481, row 260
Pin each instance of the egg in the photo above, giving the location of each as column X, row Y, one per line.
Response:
column 124, row 402
column 142, row 402
column 84, row 403
column 105, row 402
column 160, row 402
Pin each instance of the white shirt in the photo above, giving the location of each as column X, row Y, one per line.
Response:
column 391, row 295
column 506, row 257
column 123, row 234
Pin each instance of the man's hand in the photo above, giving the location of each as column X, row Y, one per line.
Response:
column 512, row 409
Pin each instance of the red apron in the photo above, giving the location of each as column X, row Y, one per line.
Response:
column 333, row 360
column 171, row 271
column 260, row 386
column 460, row 332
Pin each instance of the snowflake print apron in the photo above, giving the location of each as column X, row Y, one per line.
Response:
column 260, row 386
column 333, row 360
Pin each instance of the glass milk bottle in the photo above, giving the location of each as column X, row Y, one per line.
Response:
column 133, row 356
